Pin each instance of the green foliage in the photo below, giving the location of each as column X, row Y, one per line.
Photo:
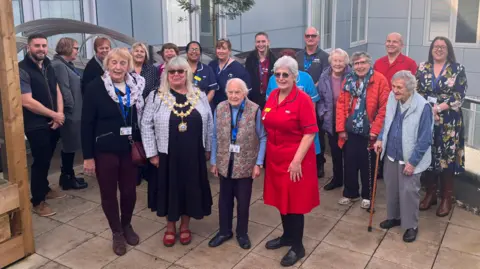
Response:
column 229, row 8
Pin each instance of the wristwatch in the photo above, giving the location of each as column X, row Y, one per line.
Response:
column 259, row 166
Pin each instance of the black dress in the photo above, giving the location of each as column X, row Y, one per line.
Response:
column 181, row 186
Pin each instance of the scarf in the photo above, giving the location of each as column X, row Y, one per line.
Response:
column 360, row 92
column 135, row 82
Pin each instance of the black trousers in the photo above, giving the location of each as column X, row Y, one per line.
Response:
column 230, row 189
column 321, row 138
column 42, row 145
column 358, row 157
column 337, row 159
column 67, row 162
column 293, row 225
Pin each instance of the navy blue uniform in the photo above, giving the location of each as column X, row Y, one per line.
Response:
column 204, row 78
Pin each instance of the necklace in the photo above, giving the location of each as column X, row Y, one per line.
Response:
column 171, row 103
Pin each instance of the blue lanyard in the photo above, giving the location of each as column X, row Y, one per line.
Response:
column 307, row 61
column 437, row 79
column 123, row 108
column 235, row 122
column 225, row 66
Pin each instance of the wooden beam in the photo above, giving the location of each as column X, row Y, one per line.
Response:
column 12, row 250
column 9, row 198
column 13, row 120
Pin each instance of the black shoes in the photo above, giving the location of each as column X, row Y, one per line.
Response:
column 410, row 235
column 332, row 185
column 320, row 171
column 219, row 239
column 244, row 242
column 390, row 223
column 69, row 181
column 277, row 243
column 292, row 257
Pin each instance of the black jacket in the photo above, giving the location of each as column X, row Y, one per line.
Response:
column 102, row 120
column 92, row 70
column 43, row 84
column 251, row 64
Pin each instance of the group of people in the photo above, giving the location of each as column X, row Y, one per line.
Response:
column 270, row 114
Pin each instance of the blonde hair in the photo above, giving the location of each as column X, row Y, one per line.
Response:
column 175, row 63
column 121, row 53
column 140, row 44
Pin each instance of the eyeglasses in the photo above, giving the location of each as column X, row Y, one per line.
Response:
column 439, row 48
column 311, row 36
column 76, row 48
column 194, row 49
column 360, row 63
column 224, row 39
column 282, row 75
column 179, row 71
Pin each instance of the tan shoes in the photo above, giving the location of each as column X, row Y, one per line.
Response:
column 54, row 194
column 43, row 210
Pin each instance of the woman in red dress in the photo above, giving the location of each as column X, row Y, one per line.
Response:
column 291, row 174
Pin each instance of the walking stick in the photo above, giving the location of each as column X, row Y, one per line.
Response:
column 373, row 192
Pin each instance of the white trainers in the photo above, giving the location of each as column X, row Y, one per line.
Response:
column 365, row 204
column 347, row 201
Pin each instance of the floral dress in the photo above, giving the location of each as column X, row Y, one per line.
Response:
column 448, row 149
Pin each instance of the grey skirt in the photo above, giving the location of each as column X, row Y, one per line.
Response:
column 71, row 136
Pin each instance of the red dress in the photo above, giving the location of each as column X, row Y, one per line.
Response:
column 286, row 123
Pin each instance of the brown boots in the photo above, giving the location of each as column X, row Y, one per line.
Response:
column 446, row 180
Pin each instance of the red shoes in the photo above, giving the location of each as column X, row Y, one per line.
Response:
column 185, row 240
column 169, row 238
column 169, row 242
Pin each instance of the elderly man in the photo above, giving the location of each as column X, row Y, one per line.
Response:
column 314, row 60
column 406, row 140
column 394, row 61
column 238, row 151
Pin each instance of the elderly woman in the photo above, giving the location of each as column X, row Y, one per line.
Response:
column 143, row 68
column 291, row 183
column 329, row 88
column 405, row 140
column 109, row 126
column 238, row 150
column 168, row 52
column 177, row 131
column 225, row 68
column 94, row 67
column 203, row 76
column 443, row 83
column 359, row 120
column 68, row 80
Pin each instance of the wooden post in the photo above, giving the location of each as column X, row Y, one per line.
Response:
column 13, row 122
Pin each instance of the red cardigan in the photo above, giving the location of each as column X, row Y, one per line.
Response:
column 377, row 97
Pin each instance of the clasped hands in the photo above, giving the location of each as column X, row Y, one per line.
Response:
column 58, row 119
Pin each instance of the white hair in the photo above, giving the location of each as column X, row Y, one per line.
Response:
column 408, row 78
column 361, row 54
column 287, row 62
column 339, row 52
column 241, row 83
column 174, row 64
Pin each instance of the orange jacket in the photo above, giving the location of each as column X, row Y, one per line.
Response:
column 377, row 97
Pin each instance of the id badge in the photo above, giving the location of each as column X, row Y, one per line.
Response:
column 432, row 100
column 126, row 130
column 234, row 148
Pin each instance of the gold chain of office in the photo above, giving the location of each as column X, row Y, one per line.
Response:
column 169, row 99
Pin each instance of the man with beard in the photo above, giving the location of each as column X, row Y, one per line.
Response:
column 94, row 67
column 42, row 114
column 314, row 60
column 259, row 65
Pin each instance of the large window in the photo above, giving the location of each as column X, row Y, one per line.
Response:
column 358, row 27
column 456, row 19
column 17, row 12
column 323, row 18
column 206, row 17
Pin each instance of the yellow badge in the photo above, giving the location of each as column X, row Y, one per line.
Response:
column 197, row 78
column 267, row 109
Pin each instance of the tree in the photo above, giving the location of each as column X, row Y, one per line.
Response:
column 221, row 9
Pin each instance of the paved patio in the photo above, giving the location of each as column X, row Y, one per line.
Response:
column 335, row 237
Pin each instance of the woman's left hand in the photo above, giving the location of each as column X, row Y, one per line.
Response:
column 207, row 155
column 295, row 170
column 256, row 171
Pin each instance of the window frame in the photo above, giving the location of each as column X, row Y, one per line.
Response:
column 211, row 7
column 452, row 26
column 365, row 40
column 321, row 28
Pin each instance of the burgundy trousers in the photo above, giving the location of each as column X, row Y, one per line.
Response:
column 117, row 169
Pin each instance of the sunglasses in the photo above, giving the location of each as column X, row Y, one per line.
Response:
column 311, row 36
column 282, row 75
column 179, row 71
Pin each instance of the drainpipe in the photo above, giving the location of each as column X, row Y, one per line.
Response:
column 409, row 26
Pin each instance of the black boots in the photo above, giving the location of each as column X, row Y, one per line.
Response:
column 69, row 181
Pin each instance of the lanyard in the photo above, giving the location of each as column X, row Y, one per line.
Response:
column 307, row 61
column 225, row 66
column 123, row 108
column 235, row 123
column 437, row 79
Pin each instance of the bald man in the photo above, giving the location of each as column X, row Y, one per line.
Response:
column 394, row 61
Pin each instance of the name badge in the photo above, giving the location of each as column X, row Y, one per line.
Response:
column 234, row 148
column 432, row 100
column 267, row 109
column 197, row 78
column 316, row 60
column 126, row 130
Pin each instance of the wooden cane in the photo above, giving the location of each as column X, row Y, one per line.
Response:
column 373, row 192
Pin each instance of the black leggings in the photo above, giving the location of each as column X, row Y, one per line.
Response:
column 293, row 225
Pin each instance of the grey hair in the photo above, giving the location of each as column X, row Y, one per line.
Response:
column 240, row 82
column 340, row 52
column 408, row 78
column 287, row 62
column 360, row 54
column 177, row 62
